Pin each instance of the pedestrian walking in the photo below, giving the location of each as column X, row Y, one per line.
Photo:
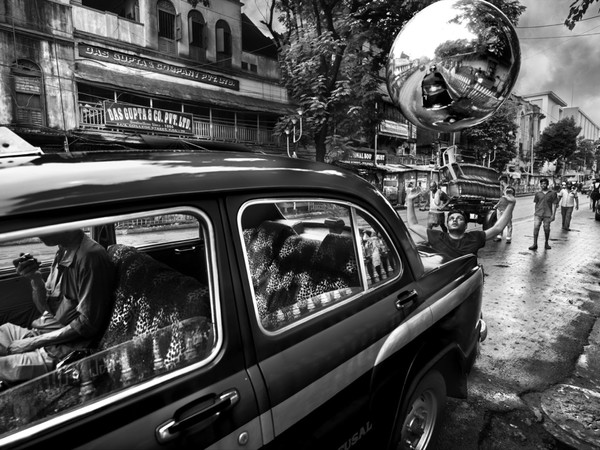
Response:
column 500, row 208
column 568, row 199
column 438, row 199
column 546, row 201
column 595, row 193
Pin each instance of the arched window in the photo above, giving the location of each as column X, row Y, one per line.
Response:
column 28, row 94
column 167, row 27
column 196, row 28
column 223, row 35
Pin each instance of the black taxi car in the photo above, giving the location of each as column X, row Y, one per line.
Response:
column 262, row 302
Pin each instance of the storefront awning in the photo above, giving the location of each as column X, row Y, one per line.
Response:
column 188, row 91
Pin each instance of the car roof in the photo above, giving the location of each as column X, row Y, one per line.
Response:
column 52, row 181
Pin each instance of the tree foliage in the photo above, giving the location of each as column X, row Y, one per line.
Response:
column 558, row 142
column 577, row 11
column 584, row 155
column 498, row 131
column 331, row 53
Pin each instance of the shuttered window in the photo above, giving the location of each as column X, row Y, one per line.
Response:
column 167, row 29
column 28, row 90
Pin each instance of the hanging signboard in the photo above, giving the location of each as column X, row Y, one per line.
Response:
column 367, row 156
column 130, row 116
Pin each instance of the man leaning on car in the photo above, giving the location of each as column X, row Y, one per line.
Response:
column 75, row 303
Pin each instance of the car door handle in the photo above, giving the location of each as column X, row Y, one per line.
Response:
column 179, row 251
column 405, row 299
column 169, row 429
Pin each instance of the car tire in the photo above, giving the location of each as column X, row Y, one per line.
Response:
column 420, row 418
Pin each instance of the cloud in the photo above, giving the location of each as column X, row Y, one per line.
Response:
column 569, row 66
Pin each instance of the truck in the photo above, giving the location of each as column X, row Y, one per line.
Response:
column 472, row 188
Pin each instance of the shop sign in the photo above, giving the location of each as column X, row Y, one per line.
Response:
column 130, row 116
column 111, row 56
column 395, row 129
column 368, row 156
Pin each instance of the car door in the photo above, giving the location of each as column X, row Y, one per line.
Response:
column 323, row 284
column 170, row 370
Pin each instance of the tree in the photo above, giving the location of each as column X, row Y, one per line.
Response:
column 577, row 11
column 584, row 155
column 331, row 53
column 498, row 131
column 558, row 142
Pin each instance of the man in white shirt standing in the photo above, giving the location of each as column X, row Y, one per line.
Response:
column 437, row 201
column 568, row 200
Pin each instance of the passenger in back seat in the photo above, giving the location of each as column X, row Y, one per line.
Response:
column 75, row 302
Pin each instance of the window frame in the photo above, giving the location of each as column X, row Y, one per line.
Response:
column 223, row 43
column 361, row 262
column 195, row 17
column 146, row 385
column 21, row 69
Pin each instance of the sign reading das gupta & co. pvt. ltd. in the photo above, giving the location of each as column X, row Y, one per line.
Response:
column 131, row 116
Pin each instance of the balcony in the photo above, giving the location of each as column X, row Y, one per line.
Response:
column 93, row 117
column 108, row 25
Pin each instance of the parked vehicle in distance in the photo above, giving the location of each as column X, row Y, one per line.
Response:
column 262, row 302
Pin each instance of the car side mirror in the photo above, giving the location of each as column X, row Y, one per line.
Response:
column 453, row 64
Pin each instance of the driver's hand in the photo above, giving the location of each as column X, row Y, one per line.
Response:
column 21, row 346
column 27, row 266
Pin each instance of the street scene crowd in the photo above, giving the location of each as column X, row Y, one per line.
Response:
column 454, row 240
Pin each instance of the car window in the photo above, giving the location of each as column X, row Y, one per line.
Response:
column 164, row 321
column 305, row 257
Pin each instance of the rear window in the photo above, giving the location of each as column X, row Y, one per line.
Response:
column 307, row 257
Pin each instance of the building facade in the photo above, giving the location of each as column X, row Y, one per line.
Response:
column 550, row 105
column 92, row 73
column 529, row 120
column 589, row 129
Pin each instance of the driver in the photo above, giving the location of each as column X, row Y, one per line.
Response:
column 75, row 302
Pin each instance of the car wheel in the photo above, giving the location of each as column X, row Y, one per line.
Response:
column 421, row 415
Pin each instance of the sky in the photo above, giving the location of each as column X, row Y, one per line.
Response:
column 553, row 58
column 570, row 65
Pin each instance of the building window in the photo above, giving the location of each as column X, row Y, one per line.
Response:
column 196, row 32
column 249, row 67
column 223, row 35
column 167, row 27
column 28, row 94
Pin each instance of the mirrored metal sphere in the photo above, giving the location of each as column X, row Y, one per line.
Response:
column 453, row 64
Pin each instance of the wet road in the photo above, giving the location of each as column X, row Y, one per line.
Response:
column 535, row 384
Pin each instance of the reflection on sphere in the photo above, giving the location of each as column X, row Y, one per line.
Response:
column 453, row 64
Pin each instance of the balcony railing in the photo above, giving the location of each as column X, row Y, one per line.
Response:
column 92, row 116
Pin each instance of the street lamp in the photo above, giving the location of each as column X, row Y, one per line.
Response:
column 295, row 139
